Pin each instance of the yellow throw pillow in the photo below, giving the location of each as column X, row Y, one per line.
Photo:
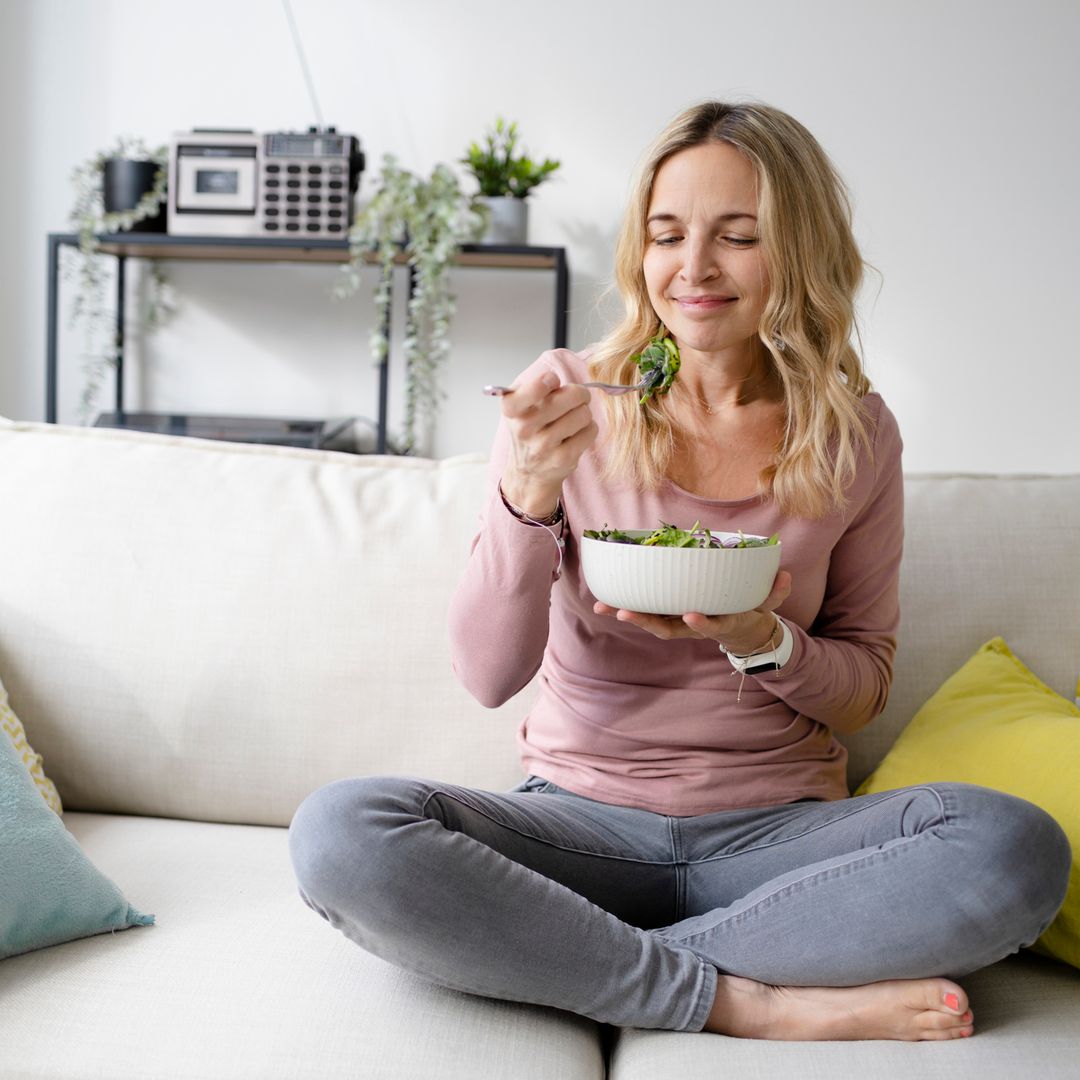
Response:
column 10, row 723
column 996, row 724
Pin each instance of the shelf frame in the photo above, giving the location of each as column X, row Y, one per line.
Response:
column 257, row 249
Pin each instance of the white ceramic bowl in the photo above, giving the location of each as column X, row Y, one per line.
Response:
column 673, row 581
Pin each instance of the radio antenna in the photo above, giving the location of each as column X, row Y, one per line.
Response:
column 303, row 61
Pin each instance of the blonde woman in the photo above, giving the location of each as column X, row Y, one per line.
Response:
column 684, row 852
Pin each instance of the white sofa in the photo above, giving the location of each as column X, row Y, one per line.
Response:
column 196, row 635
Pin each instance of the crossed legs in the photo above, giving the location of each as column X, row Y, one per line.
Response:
column 812, row 920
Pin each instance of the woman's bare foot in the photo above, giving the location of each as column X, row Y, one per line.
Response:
column 908, row 1009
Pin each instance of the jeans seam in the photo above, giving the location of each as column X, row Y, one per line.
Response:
column 679, row 863
column 836, row 871
column 825, row 825
column 541, row 839
column 705, row 997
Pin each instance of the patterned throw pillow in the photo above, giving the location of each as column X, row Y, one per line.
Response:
column 10, row 724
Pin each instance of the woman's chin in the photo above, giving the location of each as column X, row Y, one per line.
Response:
column 716, row 344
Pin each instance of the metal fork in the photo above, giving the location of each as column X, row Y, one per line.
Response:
column 608, row 388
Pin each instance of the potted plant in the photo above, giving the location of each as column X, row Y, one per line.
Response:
column 121, row 189
column 506, row 177
column 425, row 222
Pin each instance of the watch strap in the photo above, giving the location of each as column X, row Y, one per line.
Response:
column 767, row 659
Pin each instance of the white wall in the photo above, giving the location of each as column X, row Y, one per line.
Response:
column 953, row 123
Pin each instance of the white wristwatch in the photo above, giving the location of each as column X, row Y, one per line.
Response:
column 770, row 660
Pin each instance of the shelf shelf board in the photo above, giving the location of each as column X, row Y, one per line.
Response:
column 300, row 250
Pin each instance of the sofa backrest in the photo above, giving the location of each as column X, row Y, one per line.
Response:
column 984, row 555
column 206, row 630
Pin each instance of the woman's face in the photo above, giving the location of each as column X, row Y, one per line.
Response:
column 704, row 268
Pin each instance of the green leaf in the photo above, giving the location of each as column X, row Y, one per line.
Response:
column 499, row 169
column 660, row 356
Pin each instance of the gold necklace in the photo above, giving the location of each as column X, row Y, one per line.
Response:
column 712, row 410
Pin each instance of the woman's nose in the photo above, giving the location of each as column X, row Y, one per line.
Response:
column 699, row 261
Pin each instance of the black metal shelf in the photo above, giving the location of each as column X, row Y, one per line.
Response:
column 147, row 245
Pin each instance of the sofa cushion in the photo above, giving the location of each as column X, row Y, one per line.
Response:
column 983, row 556
column 209, row 630
column 240, row 980
column 996, row 723
column 203, row 630
column 50, row 891
column 11, row 726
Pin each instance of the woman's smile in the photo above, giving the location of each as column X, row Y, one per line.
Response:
column 704, row 305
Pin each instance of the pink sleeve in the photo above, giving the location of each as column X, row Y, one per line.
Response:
column 840, row 672
column 498, row 619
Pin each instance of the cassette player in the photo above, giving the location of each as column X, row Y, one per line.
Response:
column 227, row 182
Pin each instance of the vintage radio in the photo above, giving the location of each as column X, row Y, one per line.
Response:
column 239, row 183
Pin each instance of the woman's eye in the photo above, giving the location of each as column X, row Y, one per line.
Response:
column 737, row 241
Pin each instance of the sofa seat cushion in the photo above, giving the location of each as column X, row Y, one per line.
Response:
column 1025, row 1025
column 239, row 979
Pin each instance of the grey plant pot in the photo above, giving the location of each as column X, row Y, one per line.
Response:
column 509, row 223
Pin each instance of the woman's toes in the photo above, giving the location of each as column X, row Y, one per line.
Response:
column 946, row 1034
column 959, row 1031
column 937, row 1021
column 946, row 996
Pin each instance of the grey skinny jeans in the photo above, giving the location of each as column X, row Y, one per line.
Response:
column 626, row 916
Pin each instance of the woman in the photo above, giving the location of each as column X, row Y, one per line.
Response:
column 684, row 853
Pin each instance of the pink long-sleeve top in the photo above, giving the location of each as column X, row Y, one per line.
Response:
column 626, row 718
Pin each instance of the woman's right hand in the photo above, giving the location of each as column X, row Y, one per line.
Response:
column 551, row 426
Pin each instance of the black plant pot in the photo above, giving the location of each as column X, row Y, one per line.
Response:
column 125, row 183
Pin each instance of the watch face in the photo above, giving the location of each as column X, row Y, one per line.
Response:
column 758, row 669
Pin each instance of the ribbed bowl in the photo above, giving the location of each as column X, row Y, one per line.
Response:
column 673, row 581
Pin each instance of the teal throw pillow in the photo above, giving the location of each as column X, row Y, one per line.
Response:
column 49, row 890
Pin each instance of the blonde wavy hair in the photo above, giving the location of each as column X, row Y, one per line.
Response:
column 815, row 270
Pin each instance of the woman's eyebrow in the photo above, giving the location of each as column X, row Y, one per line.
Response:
column 722, row 217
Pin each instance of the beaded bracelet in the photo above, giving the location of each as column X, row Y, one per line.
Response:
column 556, row 517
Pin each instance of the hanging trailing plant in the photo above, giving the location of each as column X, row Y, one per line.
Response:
column 90, row 269
column 427, row 221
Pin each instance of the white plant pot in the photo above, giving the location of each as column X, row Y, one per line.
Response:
column 509, row 222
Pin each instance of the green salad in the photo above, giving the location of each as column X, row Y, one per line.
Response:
column 658, row 363
column 672, row 536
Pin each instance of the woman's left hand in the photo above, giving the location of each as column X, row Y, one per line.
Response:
column 742, row 633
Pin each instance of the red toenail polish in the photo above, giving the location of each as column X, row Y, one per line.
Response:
column 952, row 1001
